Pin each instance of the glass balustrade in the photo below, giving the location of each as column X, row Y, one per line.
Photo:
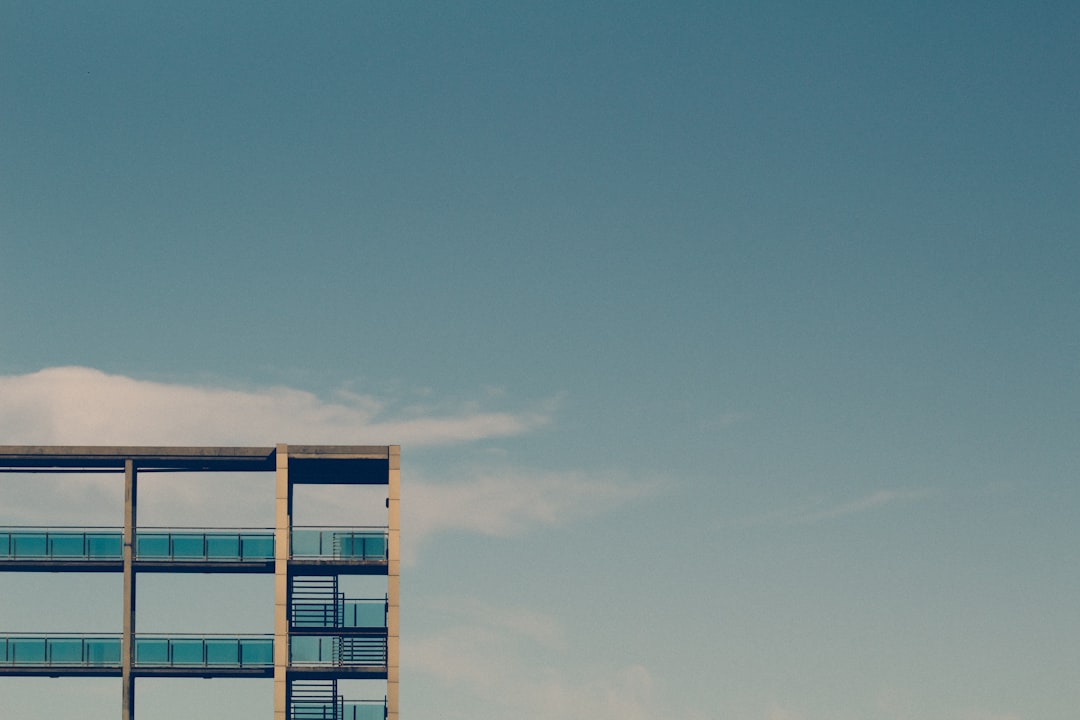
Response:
column 211, row 545
column 367, row 544
column 364, row 710
column 170, row 651
column 203, row 651
column 190, row 545
column 204, row 545
column 61, row 544
column 60, row 651
column 337, row 650
column 343, row 614
column 342, row 710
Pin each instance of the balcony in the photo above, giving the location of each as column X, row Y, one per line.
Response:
column 155, row 655
column 339, row 549
column 231, row 549
column 344, row 614
column 85, row 549
column 357, row 656
column 356, row 550
column 320, row 700
column 340, row 710
column 204, row 655
column 54, row 654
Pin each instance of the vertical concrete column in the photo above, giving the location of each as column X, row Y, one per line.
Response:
column 393, row 581
column 127, row 643
column 282, row 544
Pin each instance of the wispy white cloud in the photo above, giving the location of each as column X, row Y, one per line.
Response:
column 874, row 501
column 488, row 659
column 819, row 511
column 508, row 500
column 533, row 625
column 780, row 712
column 78, row 405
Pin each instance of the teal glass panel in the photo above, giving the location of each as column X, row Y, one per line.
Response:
column 187, row 652
column 257, row 547
column 152, row 651
column 256, row 651
column 65, row 651
column 351, row 545
column 187, row 547
column 363, row 711
column 152, row 545
column 339, row 543
column 375, row 546
column 6, row 547
column 312, row 649
column 103, row 651
column 28, row 544
column 4, row 658
column 222, row 652
column 366, row 614
column 307, row 543
column 222, row 546
column 27, row 650
column 105, row 546
column 367, row 546
column 66, row 545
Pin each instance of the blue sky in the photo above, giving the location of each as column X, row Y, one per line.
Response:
column 733, row 348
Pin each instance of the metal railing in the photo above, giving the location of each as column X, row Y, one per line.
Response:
column 35, row 543
column 337, row 650
column 67, row 650
column 205, row 545
column 345, row 613
column 339, row 710
column 325, row 543
column 64, row 650
column 204, row 651
column 59, row 650
column 161, row 544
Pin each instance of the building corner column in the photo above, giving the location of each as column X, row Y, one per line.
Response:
column 282, row 545
column 393, row 581
column 127, row 642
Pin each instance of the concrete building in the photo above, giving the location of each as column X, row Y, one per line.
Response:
column 320, row 635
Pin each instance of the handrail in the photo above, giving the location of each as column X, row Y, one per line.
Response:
column 28, row 543
column 337, row 650
column 204, row 544
column 188, row 650
column 205, row 650
column 152, row 650
column 338, row 709
column 61, row 650
column 184, row 544
column 151, row 543
column 339, row 543
column 343, row 612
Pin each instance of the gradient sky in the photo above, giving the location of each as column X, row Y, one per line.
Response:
column 733, row 348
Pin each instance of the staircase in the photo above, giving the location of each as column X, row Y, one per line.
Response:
column 315, row 700
column 316, row 602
